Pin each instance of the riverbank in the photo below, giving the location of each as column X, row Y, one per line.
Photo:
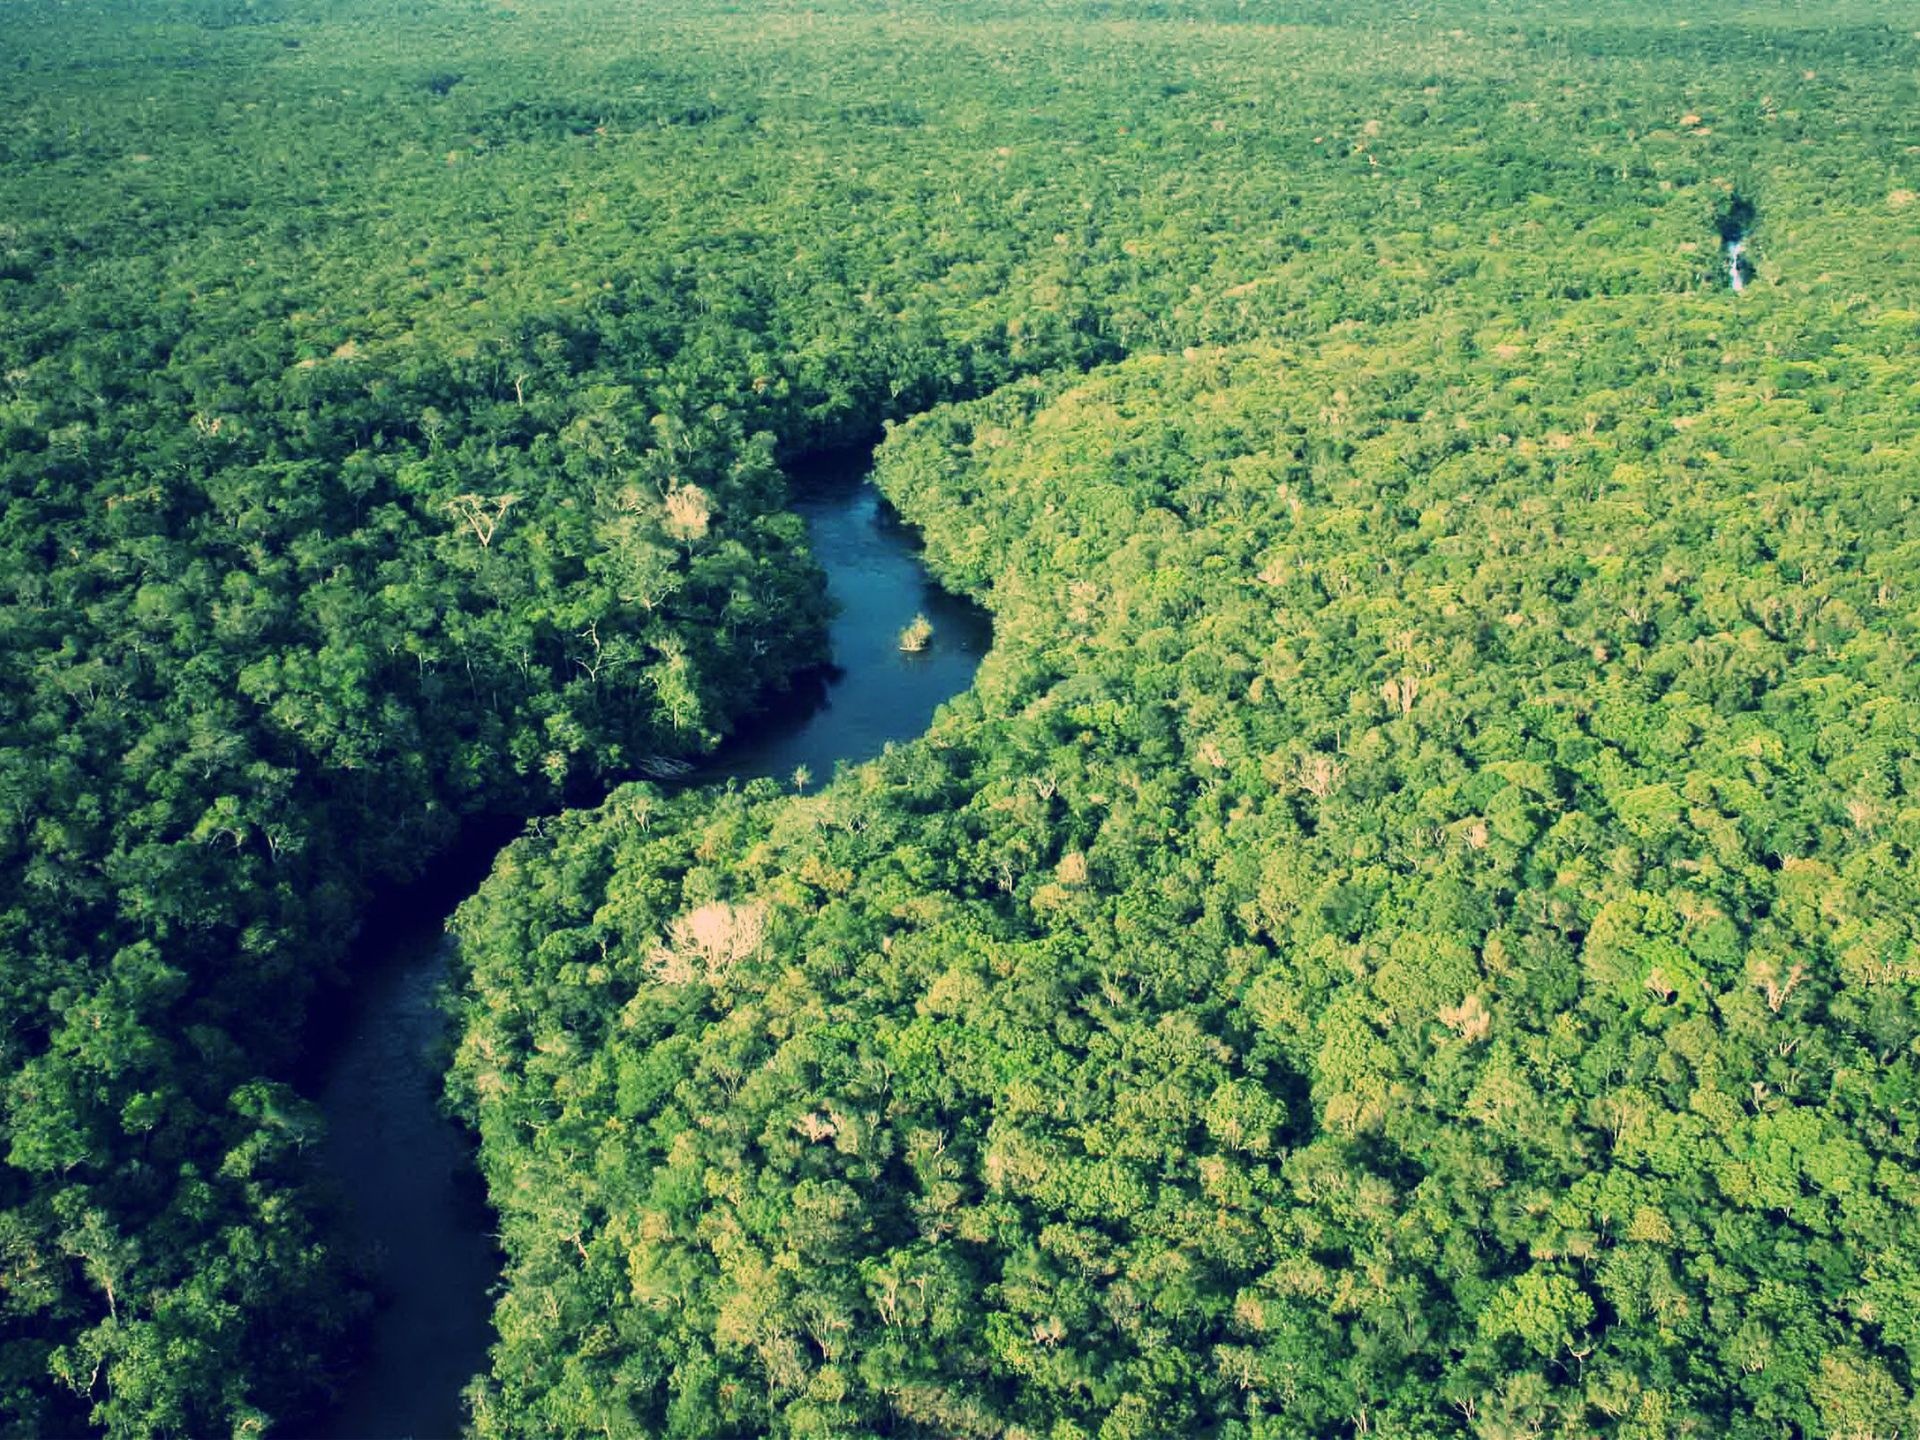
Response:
column 403, row 1170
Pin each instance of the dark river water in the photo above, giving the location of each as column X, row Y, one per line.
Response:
column 405, row 1172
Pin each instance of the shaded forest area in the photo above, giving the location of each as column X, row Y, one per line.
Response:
column 1413, row 931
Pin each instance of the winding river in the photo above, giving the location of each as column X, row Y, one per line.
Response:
column 404, row 1171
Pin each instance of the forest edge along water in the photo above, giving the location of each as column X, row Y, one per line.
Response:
column 403, row 1170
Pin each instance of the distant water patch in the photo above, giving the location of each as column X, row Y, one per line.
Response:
column 1735, row 224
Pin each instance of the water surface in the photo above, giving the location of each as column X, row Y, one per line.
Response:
column 405, row 1171
column 876, row 692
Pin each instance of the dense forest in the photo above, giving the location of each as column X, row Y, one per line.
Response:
column 1414, row 931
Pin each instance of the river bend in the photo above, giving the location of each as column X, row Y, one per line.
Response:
column 421, row 1225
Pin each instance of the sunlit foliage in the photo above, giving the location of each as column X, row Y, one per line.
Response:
column 1413, row 931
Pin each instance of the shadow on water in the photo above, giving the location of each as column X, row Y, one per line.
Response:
column 404, row 1172
column 874, row 692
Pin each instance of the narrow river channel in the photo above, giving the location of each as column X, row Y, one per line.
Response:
column 405, row 1171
